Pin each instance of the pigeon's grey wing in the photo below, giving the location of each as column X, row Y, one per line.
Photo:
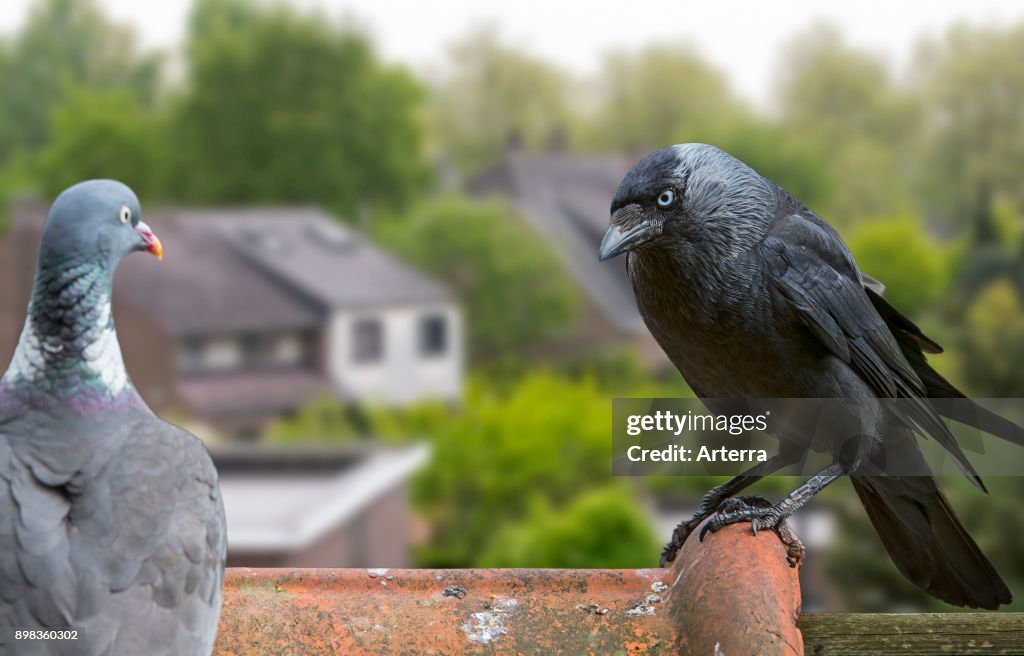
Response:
column 37, row 583
column 129, row 549
column 813, row 271
column 165, row 569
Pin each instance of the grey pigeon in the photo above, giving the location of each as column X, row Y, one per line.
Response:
column 752, row 295
column 111, row 521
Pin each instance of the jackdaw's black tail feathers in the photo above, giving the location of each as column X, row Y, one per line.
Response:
column 928, row 543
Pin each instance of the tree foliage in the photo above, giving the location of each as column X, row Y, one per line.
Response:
column 514, row 289
column 323, row 419
column 845, row 101
column 546, row 438
column 661, row 95
column 490, row 94
column 599, row 529
column 995, row 348
column 286, row 107
column 973, row 82
column 832, row 92
column 105, row 134
column 66, row 45
column 899, row 252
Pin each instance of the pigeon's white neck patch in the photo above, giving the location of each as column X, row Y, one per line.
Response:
column 100, row 355
column 103, row 355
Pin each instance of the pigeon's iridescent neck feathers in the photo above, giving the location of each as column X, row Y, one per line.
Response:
column 68, row 357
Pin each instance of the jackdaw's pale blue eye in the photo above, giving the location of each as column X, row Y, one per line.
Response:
column 126, row 214
column 666, row 198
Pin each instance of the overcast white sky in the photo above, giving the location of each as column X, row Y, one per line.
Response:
column 742, row 38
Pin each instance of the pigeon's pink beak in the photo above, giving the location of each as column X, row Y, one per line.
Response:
column 151, row 241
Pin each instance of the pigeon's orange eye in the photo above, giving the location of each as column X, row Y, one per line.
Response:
column 666, row 198
column 126, row 214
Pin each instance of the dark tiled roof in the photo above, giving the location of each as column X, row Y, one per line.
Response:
column 323, row 259
column 203, row 286
column 263, row 269
column 566, row 198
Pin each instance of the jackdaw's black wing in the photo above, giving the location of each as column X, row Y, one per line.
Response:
column 914, row 344
column 815, row 273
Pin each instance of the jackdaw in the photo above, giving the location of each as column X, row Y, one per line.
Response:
column 752, row 295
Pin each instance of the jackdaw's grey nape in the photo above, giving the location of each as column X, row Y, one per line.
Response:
column 111, row 522
column 752, row 295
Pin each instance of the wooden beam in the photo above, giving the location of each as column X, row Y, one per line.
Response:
column 918, row 634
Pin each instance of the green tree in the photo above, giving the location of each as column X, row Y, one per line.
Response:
column 491, row 93
column 545, row 438
column 845, row 101
column 993, row 345
column 601, row 528
column 323, row 419
column 833, row 92
column 514, row 289
column 899, row 252
column 105, row 134
column 286, row 107
column 661, row 95
column 974, row 84
column 64, row 46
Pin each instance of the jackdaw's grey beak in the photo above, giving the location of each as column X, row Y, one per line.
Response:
column 630, row 228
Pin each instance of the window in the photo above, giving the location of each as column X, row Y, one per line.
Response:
column 433, row 335
column 271, row 349
column 190, row 354
column 367, row 341
column 256, row 348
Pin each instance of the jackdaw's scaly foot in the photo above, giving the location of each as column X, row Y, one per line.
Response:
column 762, row 515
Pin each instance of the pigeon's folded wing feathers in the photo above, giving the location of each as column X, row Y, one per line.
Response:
column 127, row 550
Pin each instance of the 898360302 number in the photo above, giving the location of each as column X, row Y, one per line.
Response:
column 19, row 635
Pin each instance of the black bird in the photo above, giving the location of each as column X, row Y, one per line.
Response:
column 752, row 295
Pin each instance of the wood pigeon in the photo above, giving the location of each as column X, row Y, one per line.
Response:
column 111, row 521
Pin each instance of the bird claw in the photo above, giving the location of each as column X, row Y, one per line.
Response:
column 711, row 501
column 679, row 535
column 762, row 515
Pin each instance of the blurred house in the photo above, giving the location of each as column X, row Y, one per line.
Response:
column 255, row 311
column 318, row 506
column 9, row 296
column 565, row 198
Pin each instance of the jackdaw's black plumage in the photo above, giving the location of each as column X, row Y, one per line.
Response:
column 752, row 295
column 111, row 521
